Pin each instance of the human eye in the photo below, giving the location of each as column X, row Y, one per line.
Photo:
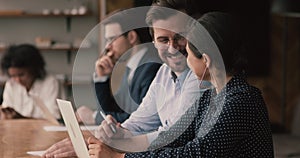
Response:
column 163, row 40
column 179, row 37
column 109, row 39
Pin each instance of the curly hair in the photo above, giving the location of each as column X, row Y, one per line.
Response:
column 24, row 56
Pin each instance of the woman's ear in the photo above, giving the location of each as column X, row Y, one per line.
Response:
column 206, row 59
column 132, row 37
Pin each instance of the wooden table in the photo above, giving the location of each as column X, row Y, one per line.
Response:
column 19, row 136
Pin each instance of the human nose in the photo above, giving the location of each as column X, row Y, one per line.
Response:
column 173, row 46
column 108, row 48
column 108, row 45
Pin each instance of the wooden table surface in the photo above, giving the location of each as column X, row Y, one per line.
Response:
column 22, row 135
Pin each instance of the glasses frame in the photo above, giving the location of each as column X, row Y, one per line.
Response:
column 178, row 38
column 110, row 40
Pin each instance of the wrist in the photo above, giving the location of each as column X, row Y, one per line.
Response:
column 97, row 78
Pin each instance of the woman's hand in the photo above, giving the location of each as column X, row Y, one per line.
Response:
column 97, row 149
column 9, row 113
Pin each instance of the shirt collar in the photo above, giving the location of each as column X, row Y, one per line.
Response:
column 181, row 77
column 134, row 61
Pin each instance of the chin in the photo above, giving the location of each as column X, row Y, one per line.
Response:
column 178, row 68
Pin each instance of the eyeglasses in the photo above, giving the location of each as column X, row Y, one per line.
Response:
column 163, row 43
column 156, row 2
column 109, row 41
column 112, row 39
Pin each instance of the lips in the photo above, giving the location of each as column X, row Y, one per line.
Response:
column 173, row 55
column 176, row 59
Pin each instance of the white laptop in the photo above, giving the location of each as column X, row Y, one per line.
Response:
column 72, row 125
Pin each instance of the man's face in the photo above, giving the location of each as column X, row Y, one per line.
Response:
column 170, row 44
column 116, row 43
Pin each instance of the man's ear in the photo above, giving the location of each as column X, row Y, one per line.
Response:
column 132, row 37
column 206, row 59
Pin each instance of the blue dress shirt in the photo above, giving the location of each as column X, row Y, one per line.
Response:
column 165, row 102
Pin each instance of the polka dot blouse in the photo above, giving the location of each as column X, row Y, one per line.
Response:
column 232, row 123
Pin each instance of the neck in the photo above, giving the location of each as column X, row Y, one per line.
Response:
column 28, row 87
column 135, row 49
column 178, row 73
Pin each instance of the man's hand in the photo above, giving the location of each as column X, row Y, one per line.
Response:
column 60, row 149
column 105, row 133
column 119, row 140
column 85, row 115
column 104, row 66
column 97, row 149
column 9, row 113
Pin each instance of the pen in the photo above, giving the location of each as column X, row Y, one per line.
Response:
column 111, row 126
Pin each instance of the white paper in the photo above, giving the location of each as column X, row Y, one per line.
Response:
column 36, row 153
column 63, row 128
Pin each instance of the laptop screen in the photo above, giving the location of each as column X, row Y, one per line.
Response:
column 72, row 125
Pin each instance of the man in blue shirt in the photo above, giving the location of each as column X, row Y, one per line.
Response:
column 174, row 89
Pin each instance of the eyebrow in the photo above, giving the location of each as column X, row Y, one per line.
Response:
column 162, row 38
column 165, row 36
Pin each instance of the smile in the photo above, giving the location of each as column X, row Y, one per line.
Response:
column 176, row 55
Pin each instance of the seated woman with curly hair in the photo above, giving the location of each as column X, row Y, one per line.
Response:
column 30, row 92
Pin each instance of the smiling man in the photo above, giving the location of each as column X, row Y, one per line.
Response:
column 174, row 89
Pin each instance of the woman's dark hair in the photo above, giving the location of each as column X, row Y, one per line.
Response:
column 195, row 51
column 227, row 34
column 24, row 56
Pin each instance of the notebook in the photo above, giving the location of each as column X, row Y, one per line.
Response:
column 73, row 129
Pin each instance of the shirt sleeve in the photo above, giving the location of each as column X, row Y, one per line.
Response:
column 161, row 147
column 190, row 93
column 50, row 95
column 97, row 78
column 145, row 118
column 8, row 95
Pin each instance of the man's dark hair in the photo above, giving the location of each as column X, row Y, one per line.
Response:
column 158, row 10
column 157, row 13
column 126, row 19
column 24, row 56
column 190, row 7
